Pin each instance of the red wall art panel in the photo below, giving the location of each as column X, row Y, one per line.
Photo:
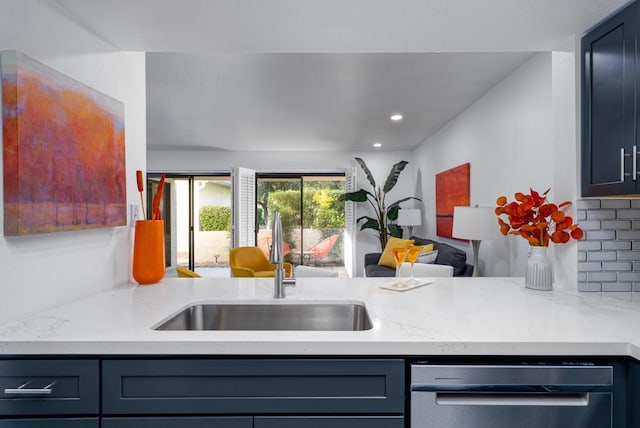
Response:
column 63, row 151
column 452, row 190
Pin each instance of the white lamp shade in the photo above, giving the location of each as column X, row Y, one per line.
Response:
column 475, row 223
column 409, row 217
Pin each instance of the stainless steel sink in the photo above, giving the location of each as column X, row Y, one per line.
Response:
column 340, row 316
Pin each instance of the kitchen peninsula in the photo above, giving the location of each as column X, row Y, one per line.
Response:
column 100, row 362
column 451, row 316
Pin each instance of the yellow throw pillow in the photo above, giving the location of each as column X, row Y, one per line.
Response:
column 386, row 259
column 427, row 249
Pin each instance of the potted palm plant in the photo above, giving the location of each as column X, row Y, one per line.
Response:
column 385, row 214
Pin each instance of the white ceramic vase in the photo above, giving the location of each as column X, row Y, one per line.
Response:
column 539, row 269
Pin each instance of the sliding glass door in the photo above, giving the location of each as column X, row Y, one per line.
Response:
column 323, row 220
column 211, row 224
column 282, row 194
column 312, row 214
column 198, row 222
column 198, row 209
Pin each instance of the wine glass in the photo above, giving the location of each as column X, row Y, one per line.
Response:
column 412, row 255
column 399, row 254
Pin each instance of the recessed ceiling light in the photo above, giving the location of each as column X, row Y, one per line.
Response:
column 396, row 117
column 377, row 145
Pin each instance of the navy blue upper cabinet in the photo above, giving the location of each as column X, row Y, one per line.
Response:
column 608, row 106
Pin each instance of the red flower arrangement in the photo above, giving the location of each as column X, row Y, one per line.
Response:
column 536, row 220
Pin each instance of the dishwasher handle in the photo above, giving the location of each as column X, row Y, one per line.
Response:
column 511, row 399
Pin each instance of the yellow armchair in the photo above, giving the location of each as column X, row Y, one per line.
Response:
column 183, row 272
column 250, row 262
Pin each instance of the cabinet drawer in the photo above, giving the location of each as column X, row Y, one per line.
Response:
column 49, row 387
column 329, row 422
column 50, row 423
column 186, row 422
column 252, row 386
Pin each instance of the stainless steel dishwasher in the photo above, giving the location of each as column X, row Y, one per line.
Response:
column 506, row 396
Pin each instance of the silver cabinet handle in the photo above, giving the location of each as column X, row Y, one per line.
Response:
column 22, row 389
column 634, row 158
column 511, row 399
column 622, row 164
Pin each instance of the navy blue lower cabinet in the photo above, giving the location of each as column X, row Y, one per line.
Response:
column 633, row 394
column 49, row 387
column 178, row 422
column 329, row 422
column 50, row 423
column 253, row 387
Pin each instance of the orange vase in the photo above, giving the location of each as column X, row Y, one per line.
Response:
column 148, row 251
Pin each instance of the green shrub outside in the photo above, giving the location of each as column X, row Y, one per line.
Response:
column 322, row 208
column 215, row 218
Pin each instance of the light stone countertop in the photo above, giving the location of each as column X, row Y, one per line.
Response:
column 451, row 316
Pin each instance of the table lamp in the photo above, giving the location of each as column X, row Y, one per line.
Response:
column 475, row 224
column 409, row 217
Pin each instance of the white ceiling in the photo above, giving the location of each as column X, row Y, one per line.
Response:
column 311, row 101
column 323, row 75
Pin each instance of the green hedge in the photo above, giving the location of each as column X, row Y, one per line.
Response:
column 215, row 218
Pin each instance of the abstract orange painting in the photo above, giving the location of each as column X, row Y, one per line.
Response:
column 63, row 151
column 452, row 190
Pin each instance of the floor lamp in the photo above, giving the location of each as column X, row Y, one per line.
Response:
column 409, row 217
column 475, row 224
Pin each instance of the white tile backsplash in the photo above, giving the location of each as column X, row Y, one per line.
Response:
column 609, row 253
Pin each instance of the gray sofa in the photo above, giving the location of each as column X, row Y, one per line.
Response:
column 447, row 255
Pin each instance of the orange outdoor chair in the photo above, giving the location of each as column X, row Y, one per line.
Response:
column 250, row 262
column 265, row 245
column 322, row 248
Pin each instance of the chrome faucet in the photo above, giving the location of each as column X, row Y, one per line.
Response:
column 277, row 257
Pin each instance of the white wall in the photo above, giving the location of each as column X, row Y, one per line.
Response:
column 268, row 161
column 379, row 163
column 45, row 270
column 521, row 134
column 565, row 154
